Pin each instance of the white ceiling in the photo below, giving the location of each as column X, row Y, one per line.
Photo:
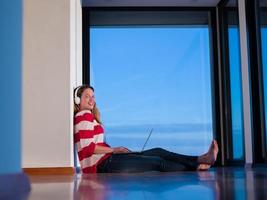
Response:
column 189, row 3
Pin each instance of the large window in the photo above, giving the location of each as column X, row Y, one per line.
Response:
column 153, row 77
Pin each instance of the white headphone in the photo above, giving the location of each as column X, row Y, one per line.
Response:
column 77, row 99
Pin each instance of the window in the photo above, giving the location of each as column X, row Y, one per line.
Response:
column 264, row 62
column 236, row 90
column 235, row 83
column 153, row 76
column 231, row 90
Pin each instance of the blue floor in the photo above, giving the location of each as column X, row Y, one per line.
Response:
column 219, row 183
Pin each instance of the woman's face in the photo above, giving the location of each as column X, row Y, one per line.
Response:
column 87, row 100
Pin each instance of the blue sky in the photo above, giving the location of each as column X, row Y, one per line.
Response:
column 148, row 75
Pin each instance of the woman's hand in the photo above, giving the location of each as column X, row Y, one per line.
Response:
column 120, row 150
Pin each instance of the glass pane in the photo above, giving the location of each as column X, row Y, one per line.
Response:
column 264, row 59
column 264, row 63
column 153, row 77
column 236, row 87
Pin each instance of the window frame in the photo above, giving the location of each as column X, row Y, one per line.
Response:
column 224, row 21
column 217, row 100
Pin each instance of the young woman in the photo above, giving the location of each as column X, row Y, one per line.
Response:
column 97, row 156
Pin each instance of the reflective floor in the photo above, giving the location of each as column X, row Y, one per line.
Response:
column 218, row 183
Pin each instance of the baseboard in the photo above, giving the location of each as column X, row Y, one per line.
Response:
column 49, row 171
column 14, row 186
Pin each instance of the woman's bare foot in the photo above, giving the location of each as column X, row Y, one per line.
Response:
column 203, row 167
column 210, row 157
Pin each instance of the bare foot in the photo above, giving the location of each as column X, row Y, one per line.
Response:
column 210, row 157
column 203, row 167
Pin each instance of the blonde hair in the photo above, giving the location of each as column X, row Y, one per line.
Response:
column 95, row 110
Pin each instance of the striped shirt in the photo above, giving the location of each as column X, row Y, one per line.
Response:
column 87, row 134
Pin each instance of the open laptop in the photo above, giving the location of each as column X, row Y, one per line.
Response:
column 143, row 148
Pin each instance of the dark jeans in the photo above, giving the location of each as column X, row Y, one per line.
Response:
column 156, row 159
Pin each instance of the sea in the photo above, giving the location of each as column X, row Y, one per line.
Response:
column 187, row 139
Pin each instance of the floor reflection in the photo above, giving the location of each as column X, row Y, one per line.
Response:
column 146, row 186
column 218, row 183
column 222, row 183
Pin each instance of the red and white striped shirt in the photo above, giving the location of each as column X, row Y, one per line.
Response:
column 87, row 134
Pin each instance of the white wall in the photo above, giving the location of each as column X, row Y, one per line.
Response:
column 51, row 60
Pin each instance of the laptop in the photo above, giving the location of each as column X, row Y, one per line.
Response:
column 143, row 148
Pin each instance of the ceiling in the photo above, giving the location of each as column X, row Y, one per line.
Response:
column 115, row 3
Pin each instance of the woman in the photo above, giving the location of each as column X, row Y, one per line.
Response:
column 97, row 156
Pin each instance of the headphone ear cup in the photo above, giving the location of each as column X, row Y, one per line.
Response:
column 77, row 100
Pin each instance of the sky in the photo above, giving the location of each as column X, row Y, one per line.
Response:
column 145, row 75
